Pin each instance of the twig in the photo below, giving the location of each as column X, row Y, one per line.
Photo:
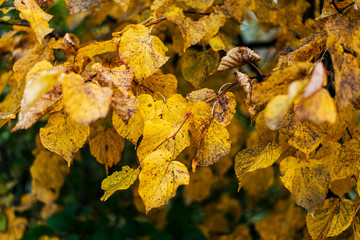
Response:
column 222, row 93
column 174, row 135
column 13, row 23
column 200, row 13
column 154, row 22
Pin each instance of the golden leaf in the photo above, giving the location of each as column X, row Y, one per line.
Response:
column 319, row 108
column 199, row 5
column 191, row 31
column 85, row 54
column 347, row 74
column 215, row 143
column 123, row 104
column 275, row 111
column 304, row 136
column 106, row 146
column 237, row 57
column 342, row 186
column 63, row 136
column 48, row 174
column 15, row 226
column 200, row 184
column 48, row 102
column 38, row 19
column 117, row 77
column 159, row 6
column 347, row 162
column 308, row 181
column 234, row 9
column 334, row 217
column 158, row 83
column 38, row 86
column 159, row 179
column 253, row 158
column 201, row 95
column 220, row 42
column 119, row 181
column 212, row 24
column 198, row 65
column 158, row 135
column 85, row 102
column 200, row 119
column 174, row 109
column 144, row 53
column 76, row 6
column 133, row 129
column 225, row 108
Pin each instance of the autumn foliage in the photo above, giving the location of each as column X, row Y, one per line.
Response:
column 171, row 81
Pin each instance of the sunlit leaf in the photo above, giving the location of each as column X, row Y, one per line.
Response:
column 159, row 179
column 118, row 181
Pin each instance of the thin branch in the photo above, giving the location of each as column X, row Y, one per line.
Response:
column 14, row 23
column 174, row 135
column 200, row 13
column 154, row 22
column 222, row 93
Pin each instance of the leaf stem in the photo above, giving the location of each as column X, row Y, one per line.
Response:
column 174, row 135
column 154, row 22
column 222, row 93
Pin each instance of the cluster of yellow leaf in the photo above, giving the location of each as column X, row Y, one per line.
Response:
column 304, row 111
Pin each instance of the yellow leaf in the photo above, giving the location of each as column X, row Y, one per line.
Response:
column 199, row 5
column 334, row 217
column 347, row 162
column 85, row 54
column 48, row 102
column 144, row 53
column 85, row 102
column 48, row 174
column 215, row 143
column 133, row 129
column 198, row 65
column 237, row 57
column 159, row 179
column 117, row 77
column 159, row 6
column 4, row 79
column 38, row 86
column 38, row 19
column 15, row 226
column 158, row 134
column 275, row 111
column 220, row 42
column 200, row 119
column 304, row 136
column 76, row 6
column 191, row 31
column 63, row 136
column 234, row 9
column 118, row 181
column 225, row 108
column 347, row 74
column 200, row 184
column 201, row 95
column 158, row 83
column 174, row 109
column 123, row 104
column 212, row 24
column 106, row 146
column 319, row 108
column 308, row 181
column 253, row 158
